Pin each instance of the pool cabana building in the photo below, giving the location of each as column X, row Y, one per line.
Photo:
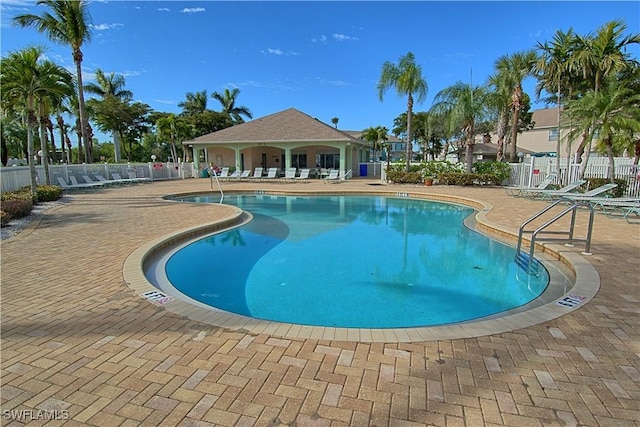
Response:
column 282, row 140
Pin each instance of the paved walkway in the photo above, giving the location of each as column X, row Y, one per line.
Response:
column 79, row 345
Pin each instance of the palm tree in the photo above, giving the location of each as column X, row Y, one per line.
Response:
column 516, row 68
column 370, row 135
column 196, row 103
column 175, row 130
column 335, row 120
column 25, row 79
column 110, row 85
column 613, row 112
column 554, row 75
column 499, row 99
column 228, row 101
column 407, row 78
column 463, row 105
column 599, row 56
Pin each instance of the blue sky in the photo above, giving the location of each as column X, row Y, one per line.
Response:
column 323, row 58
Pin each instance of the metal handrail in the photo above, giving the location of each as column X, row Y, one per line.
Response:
column 215, row 175
column 535, row 234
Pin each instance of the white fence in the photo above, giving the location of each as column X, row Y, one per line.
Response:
column 14, row 177
column 535, row 169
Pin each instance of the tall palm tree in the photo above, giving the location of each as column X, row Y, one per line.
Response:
column 554, row 75
column 195, row 103
column 463, row 105
column 613, row 112
column 229, row 107
column 599, row 56
column 516, row 68
column 499, row 99
column 175, row 130
column 110, row 85
column 68, row 24
column 407, row 78
column 371, row 136
column 335, row 121
column 25, row 79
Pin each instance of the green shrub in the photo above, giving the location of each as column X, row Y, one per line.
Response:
column 402, row 177
column 49, row 193
column 500, row 170
column 463, row 178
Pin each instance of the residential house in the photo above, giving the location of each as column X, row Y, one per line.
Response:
column 286, row 139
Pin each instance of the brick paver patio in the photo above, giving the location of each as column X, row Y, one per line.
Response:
column 78, row 344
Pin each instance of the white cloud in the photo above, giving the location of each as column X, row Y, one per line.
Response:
column 276, row 86
column 321, row 39
column 336, row 83
column 164, row 101
column 193, row 9
column 343, row 37
column 103, row 27
column 278, row 52
column 164, row 9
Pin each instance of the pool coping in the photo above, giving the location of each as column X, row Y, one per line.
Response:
column 586, row 282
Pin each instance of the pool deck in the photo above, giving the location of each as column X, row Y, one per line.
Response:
column 77, row 340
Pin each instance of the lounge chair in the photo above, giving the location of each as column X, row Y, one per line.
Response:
column 548, row 194
column 87, row 179
column 107, row 181
column 333, row 176
column 257, row 173
column 134, row 177
column 290, row 173
column 234, row 175
column 75, row 183
column 611, row 205
column 224, row 173
column 346, row 175
column 304, row 174
column 518, row 191
column 245, row 174
column 589, row 195
column 272, row 173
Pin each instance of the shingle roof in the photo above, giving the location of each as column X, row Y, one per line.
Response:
column 547, row 117
column 490, row 148
column 286, row 126
column 358, row 134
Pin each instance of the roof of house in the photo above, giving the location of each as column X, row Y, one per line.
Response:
column 358, row 134
column 285, row 126
column 490, row 148
column 546, row 117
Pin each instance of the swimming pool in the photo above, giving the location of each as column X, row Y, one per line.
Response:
column 352, row 262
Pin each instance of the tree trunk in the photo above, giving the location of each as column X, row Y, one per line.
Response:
column 409, row 138
column 84, row 121
column 43, row 146
column 612, row 167
column 54, row 154
column 503, row 124
column 517, row 101
column 31, row 121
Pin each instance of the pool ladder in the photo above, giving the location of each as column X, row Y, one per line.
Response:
column 526, row 260
column 215, row 175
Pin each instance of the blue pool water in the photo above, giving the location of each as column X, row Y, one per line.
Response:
column 352, row 261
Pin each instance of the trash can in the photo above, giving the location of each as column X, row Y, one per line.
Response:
column 363, row 169
column 204, row 173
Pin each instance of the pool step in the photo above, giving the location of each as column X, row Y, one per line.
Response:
column 527, row 264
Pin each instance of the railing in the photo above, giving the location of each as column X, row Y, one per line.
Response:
column 15, row 177
column 526, row 261
column 213, row 175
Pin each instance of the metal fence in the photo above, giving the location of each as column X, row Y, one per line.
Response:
column 14, row 177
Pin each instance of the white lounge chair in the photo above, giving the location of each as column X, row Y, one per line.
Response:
column 75, row 183
column 589, row 195
column 304, row 174
column 272, row 173
column 333, row 176
column 257, row 173
column 548, row 194
column 134, row 177
column 290, row 173
column 518, row 190
column 87, row 179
